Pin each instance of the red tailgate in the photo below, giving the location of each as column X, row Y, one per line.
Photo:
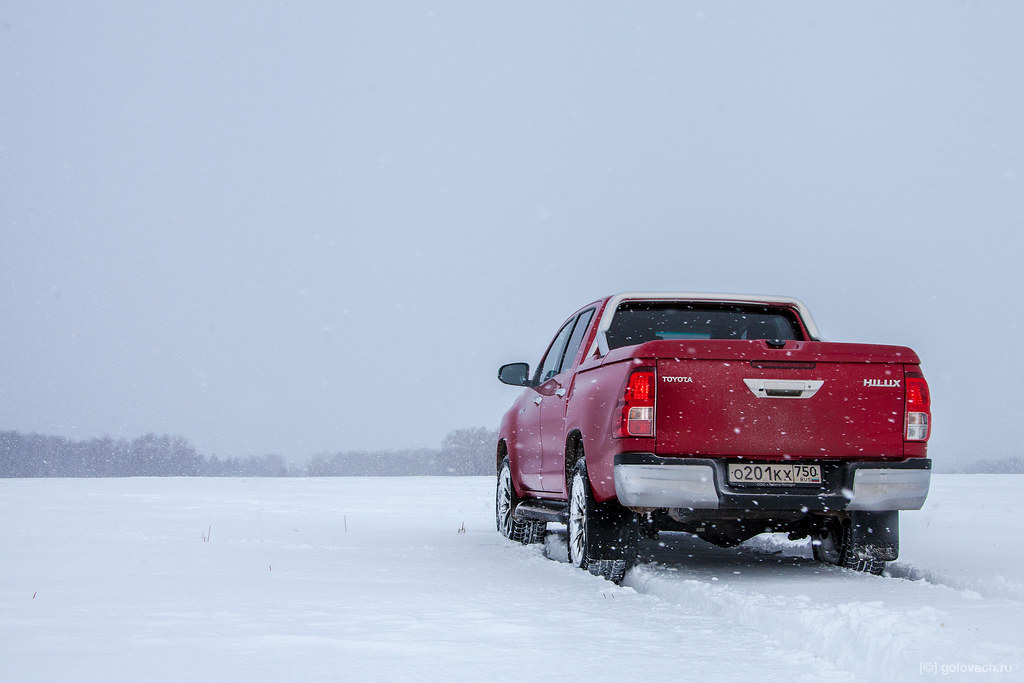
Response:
column 805, row 400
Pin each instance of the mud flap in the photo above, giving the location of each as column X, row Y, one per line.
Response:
column 875, row 535
column 616, row 532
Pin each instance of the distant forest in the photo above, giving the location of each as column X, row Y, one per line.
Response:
column 1005, row 466
column 463, row 452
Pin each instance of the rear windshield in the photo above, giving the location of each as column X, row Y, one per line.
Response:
column 636, row 322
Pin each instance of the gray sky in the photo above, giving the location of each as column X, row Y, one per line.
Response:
column 304, row 227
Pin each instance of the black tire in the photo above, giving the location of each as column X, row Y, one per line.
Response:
column 523, row 531
column 839, row 547
column 602, row 537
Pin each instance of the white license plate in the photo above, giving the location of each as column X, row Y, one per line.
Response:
column 775, row 475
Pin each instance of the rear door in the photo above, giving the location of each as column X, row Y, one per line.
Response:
column 529, row 442
column 553, row 407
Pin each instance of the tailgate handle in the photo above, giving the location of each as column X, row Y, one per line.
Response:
column 784, row 388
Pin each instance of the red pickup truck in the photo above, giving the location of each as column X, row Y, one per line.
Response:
column 724, row 416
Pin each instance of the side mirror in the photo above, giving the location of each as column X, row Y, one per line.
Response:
column 516, row 374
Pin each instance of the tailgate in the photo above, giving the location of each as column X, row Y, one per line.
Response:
column 820, row 400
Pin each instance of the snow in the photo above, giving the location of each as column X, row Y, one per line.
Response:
column 406, row 579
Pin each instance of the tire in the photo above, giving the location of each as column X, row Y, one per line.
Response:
column 523, row 531
column 602, row 537
column 839, row 547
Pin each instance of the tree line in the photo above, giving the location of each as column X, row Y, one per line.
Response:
column 463, row 452
column 1005, row 466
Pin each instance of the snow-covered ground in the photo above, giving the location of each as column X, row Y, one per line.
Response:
column 406, row 579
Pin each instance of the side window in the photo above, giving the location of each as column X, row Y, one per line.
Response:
column 549, row 367
column 583, row 322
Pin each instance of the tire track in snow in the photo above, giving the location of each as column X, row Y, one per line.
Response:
column 874, row 627
column 993, row 588
column 729, row 633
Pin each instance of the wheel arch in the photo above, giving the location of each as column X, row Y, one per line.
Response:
column 501, row 454
column 573, row 454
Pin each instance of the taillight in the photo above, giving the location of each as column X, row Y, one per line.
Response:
column 918, row 408
column 638, row 405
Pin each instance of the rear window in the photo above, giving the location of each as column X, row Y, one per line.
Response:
column 636, row 322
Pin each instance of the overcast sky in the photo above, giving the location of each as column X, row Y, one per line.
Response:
column 302, row 227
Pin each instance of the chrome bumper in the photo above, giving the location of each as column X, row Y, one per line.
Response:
column 646, row 481
column 889, row 489
column 660, row 486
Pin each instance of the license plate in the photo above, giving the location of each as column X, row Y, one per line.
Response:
column 775, row 475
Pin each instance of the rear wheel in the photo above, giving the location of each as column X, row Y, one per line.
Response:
column 522, row 531
column 602, row 537
column 864, row 542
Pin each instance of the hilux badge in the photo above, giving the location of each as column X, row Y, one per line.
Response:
column 882, row 382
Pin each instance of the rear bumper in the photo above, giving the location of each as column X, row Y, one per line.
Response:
column 644, row 480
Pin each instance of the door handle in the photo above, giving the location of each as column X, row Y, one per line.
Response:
column 538, row 400
column 560, row 393
column 775, row 388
